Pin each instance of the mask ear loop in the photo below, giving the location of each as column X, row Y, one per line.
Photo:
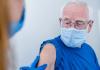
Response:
column 20, row 23
column 23, row 13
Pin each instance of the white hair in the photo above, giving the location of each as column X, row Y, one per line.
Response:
column 77, row 2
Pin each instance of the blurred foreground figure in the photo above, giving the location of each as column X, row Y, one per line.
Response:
column 12, row 14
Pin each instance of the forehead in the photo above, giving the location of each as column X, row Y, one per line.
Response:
column 74, row 11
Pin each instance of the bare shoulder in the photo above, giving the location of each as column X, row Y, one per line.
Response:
column 48, row 56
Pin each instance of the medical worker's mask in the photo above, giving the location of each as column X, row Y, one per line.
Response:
column 72, row 37
column 16, row 26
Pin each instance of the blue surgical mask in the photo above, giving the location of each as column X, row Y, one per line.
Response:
column 72, row 37
column 16, row 26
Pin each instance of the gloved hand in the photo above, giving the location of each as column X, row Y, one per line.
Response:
column 33, row 65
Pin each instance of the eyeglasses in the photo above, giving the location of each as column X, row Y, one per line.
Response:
column 78, row 24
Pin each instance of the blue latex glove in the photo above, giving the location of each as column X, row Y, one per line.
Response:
column 33, row 65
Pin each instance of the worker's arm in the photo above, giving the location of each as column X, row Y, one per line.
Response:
column 33, row 66
column 48, row 56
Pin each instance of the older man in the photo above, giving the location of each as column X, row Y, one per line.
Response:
column 69, row 51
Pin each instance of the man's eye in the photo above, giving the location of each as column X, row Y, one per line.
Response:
column 80, row 22
column 67, row 23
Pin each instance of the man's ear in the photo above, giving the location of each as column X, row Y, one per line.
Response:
column 90, row 24
column 60, row 21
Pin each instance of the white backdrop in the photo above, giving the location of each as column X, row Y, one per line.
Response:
column 41, row 23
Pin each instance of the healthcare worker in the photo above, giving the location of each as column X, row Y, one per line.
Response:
column 17, row 15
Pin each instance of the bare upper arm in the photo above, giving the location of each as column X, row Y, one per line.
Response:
column 48, row 56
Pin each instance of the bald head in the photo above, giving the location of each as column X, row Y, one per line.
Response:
column 75, row 10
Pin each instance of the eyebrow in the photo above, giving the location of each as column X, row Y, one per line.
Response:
column 66, row 18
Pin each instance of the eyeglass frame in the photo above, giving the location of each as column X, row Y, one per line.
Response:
column 75, row 21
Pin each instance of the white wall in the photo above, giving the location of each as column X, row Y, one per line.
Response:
column 41, row 23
